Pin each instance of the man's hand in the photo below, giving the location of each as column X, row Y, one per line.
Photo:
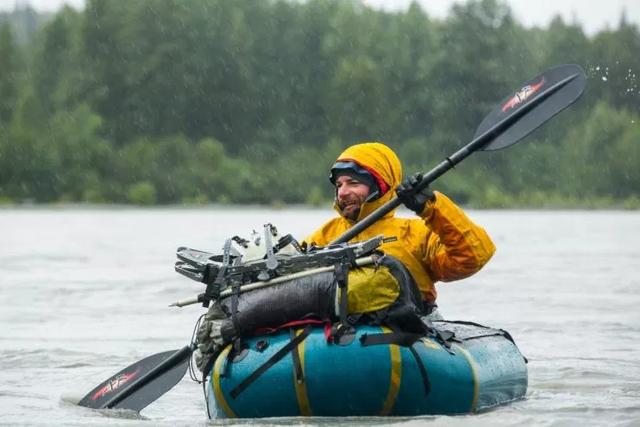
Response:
column 411, row 198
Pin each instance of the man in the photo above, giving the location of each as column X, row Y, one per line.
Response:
column 443, row 244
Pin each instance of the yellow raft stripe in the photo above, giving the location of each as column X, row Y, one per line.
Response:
column 217, row 390
column 396, row 375
column 301, row 388
column 474, row 373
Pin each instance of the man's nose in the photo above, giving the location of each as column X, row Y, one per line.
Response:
column 342, row 191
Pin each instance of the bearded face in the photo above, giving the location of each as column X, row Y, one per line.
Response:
column 350, row 195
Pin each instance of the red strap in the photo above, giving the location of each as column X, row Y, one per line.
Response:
column 327, row 332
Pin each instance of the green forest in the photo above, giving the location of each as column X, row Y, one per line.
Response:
column 250, row 101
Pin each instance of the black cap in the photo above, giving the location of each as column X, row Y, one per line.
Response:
column 356, row 172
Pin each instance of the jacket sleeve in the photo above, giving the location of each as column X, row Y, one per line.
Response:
column 455, row 247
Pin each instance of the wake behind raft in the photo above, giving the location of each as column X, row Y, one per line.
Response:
column 336, row 331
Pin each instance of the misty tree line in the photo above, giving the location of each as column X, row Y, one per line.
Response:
column 250, row 101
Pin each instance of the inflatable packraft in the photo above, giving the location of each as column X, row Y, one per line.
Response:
column 463, row 369
column 336, row 331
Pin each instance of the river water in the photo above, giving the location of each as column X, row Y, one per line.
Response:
column 84, row 292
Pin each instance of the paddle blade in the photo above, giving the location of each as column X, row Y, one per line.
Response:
column 537, row 101
column 141, row 383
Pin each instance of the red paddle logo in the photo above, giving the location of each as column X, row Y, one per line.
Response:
column 522, row 95
column 115, row 384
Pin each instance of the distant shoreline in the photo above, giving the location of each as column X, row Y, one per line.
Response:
column 587, row 206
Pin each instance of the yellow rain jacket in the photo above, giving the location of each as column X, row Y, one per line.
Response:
column 443, row 244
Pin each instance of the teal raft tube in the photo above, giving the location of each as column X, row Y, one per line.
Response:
column 479, row 368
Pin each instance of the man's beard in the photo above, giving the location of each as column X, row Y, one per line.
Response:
column 350, row 208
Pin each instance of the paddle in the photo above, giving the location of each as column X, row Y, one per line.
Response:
column 539, row 99
column 141, row 383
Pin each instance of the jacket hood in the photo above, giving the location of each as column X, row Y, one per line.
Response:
column 381, row 162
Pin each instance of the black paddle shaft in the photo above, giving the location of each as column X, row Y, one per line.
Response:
column 574, row 81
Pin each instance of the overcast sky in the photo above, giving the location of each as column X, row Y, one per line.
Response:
column 594, row 15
